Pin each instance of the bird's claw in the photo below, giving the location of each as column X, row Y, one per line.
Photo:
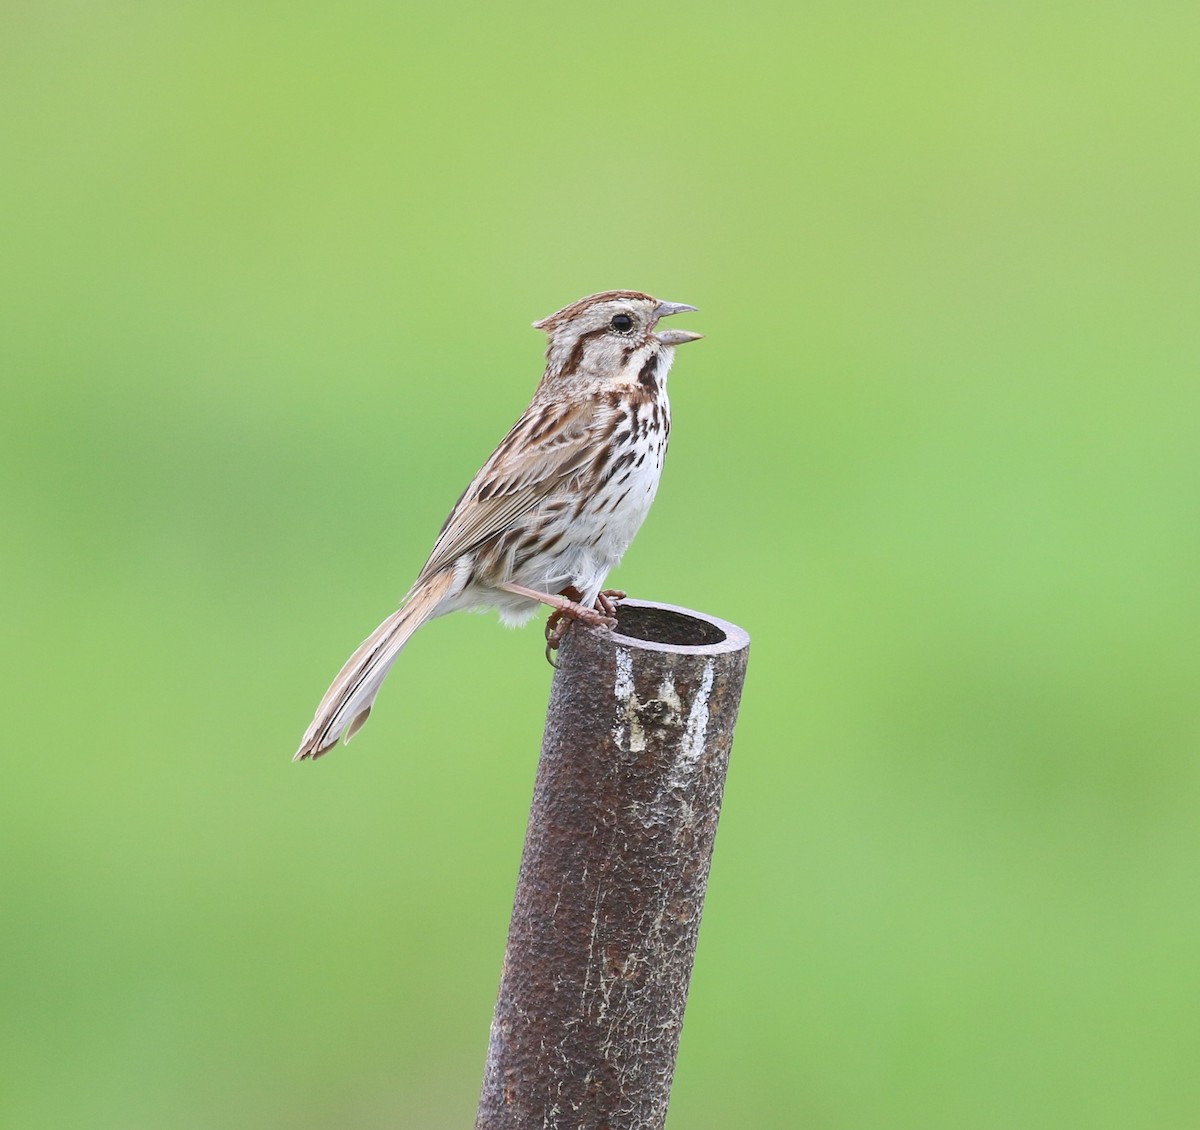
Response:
column 607, row 603
column 559, row 622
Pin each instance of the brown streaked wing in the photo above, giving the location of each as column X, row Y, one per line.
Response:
column 543, row 450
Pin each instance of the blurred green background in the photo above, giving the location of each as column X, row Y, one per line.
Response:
column 268, row 274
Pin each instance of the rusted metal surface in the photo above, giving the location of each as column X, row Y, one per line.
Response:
column 612, row 880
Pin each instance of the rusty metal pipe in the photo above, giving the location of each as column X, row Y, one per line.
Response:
column 613, row 875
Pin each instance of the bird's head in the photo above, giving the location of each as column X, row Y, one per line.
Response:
column 610, row 338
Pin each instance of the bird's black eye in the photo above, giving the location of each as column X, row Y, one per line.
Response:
column 622, row 323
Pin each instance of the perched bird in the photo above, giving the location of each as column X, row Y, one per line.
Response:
column 554, row 508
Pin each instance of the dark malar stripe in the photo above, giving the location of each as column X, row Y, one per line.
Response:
column 648, row 377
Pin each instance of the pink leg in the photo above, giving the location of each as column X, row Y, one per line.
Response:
column 571, row 609
column 566, row 612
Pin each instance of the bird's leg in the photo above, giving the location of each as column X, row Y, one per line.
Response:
column 563, row 605
column 567, row 610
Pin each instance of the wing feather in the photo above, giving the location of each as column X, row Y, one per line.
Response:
column 542, row 451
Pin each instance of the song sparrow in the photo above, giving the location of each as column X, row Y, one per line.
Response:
column 554, row 508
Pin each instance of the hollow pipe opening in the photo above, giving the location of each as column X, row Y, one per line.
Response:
column 666, row 626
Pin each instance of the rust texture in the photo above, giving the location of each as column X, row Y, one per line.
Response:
column 613, row 875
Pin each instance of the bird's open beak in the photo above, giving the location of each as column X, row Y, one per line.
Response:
column 674, row 337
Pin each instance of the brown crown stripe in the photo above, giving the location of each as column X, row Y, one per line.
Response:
column 568, row 312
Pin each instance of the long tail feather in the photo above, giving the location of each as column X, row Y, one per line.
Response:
column 348, row 701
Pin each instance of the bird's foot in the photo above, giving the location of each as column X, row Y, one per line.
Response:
column 559, row 622
column 608, row 600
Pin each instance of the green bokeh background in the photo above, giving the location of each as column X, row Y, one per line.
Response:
column 268, row 274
